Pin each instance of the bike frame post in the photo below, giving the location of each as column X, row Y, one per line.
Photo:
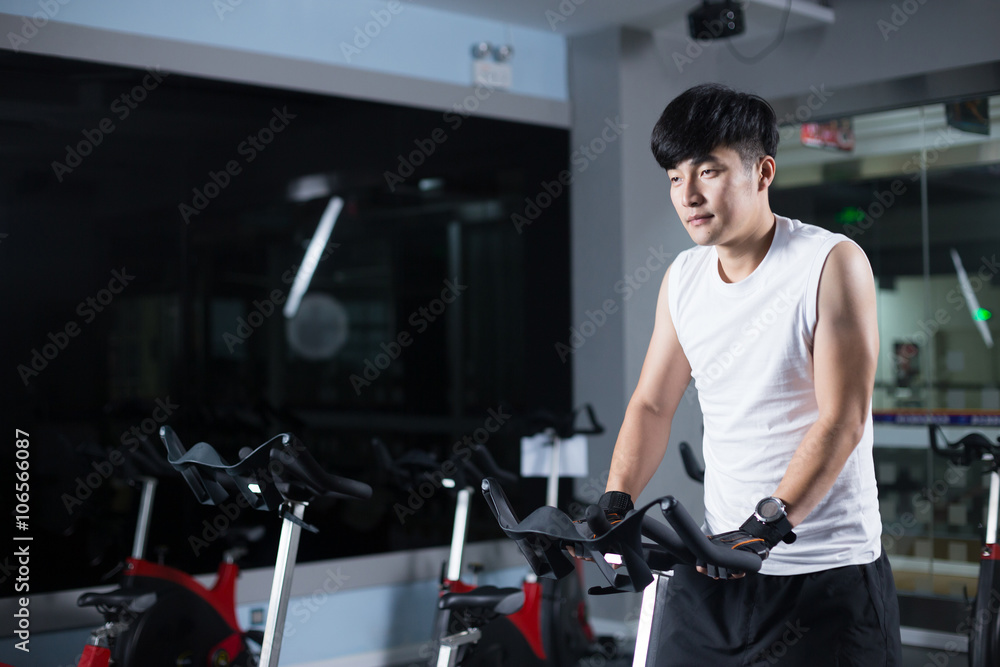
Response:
column 552, row 487
column 654, row 598
column 994, row 502
column 458, row 534
column 448, row 655
column 281, row 585
column 145, row 514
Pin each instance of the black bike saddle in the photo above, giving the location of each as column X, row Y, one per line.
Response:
column 487, row 598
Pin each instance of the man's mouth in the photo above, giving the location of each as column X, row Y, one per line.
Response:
column 699, row 219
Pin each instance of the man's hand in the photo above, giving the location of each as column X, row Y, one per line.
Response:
column 616, row 504
column 734, row 539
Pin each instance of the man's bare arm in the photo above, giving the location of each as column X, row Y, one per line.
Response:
column 845, row 354
column 642, row 440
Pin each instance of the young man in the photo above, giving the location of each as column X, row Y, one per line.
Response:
column 776, row 322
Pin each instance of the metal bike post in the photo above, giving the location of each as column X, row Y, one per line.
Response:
column 145, row 513
column 552, row 488
column 281, row 585
column 647, row 611
column 458, row 534
column 992, row 509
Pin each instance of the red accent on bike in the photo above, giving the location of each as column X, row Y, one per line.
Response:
column 222, row 596
column 989, row 552
column 581, row 606
column 528, row 618
column 94, row 656
column 449, row 586
column 232, row 645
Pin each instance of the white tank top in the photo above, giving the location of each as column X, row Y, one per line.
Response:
column 749, row 344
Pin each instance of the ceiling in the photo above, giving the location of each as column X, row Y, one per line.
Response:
column 572, row 17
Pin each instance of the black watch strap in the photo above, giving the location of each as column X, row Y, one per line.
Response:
column 616, row 501
column 772, row 533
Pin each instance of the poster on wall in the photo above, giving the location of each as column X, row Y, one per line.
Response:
column 969, row 115
column 906, row 358
column 834, row 134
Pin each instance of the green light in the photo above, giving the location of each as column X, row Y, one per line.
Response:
column 850, row 215
column 982, row 315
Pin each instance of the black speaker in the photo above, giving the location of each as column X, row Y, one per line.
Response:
column 716, row 20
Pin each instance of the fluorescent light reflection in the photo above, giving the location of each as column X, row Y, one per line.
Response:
column 971, row 300
column 316, row 246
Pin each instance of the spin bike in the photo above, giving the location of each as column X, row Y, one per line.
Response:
column 539, row 623
column 166, row 618
column 983, row 622
column 160, row 615
column 543, row 536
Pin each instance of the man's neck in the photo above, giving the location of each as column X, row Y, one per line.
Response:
column 739, row 259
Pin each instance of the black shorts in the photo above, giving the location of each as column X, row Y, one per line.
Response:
column 841, row 617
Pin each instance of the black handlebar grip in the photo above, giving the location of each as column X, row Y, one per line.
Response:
column 597, row 520
column 596, row 427
column 700, row 546
column 490, row 467
column 694, row 469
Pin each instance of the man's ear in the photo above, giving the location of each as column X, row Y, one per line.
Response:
column 765, row 172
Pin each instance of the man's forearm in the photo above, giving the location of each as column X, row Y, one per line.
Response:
column 639, row 450
column 816, row 464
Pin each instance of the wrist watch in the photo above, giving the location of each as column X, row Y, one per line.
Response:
column 772, row 521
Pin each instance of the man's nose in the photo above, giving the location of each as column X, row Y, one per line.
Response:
column 691, row 194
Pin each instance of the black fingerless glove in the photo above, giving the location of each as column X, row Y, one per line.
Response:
column 616, row 504
column 735, row 539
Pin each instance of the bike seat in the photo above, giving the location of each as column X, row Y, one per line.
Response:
column 490, row 598
column 137, row 599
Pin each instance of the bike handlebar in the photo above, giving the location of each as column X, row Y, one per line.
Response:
column 968, row 448
column 416, row 465
column 692, row 467
column 544, row 534
column 280, row 469
column 565, row 425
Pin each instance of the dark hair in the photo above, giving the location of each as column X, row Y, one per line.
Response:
column 705, row 117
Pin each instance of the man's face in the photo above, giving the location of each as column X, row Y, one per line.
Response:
column 717, row 199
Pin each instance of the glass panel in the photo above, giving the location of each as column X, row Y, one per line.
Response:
column 145, row 284
column 937, row 360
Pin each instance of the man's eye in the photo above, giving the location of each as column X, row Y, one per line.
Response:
column 709, row 171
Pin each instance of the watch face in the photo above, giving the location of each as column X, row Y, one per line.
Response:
column 770, row 509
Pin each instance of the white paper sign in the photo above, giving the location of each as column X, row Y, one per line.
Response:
column 536, row 456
